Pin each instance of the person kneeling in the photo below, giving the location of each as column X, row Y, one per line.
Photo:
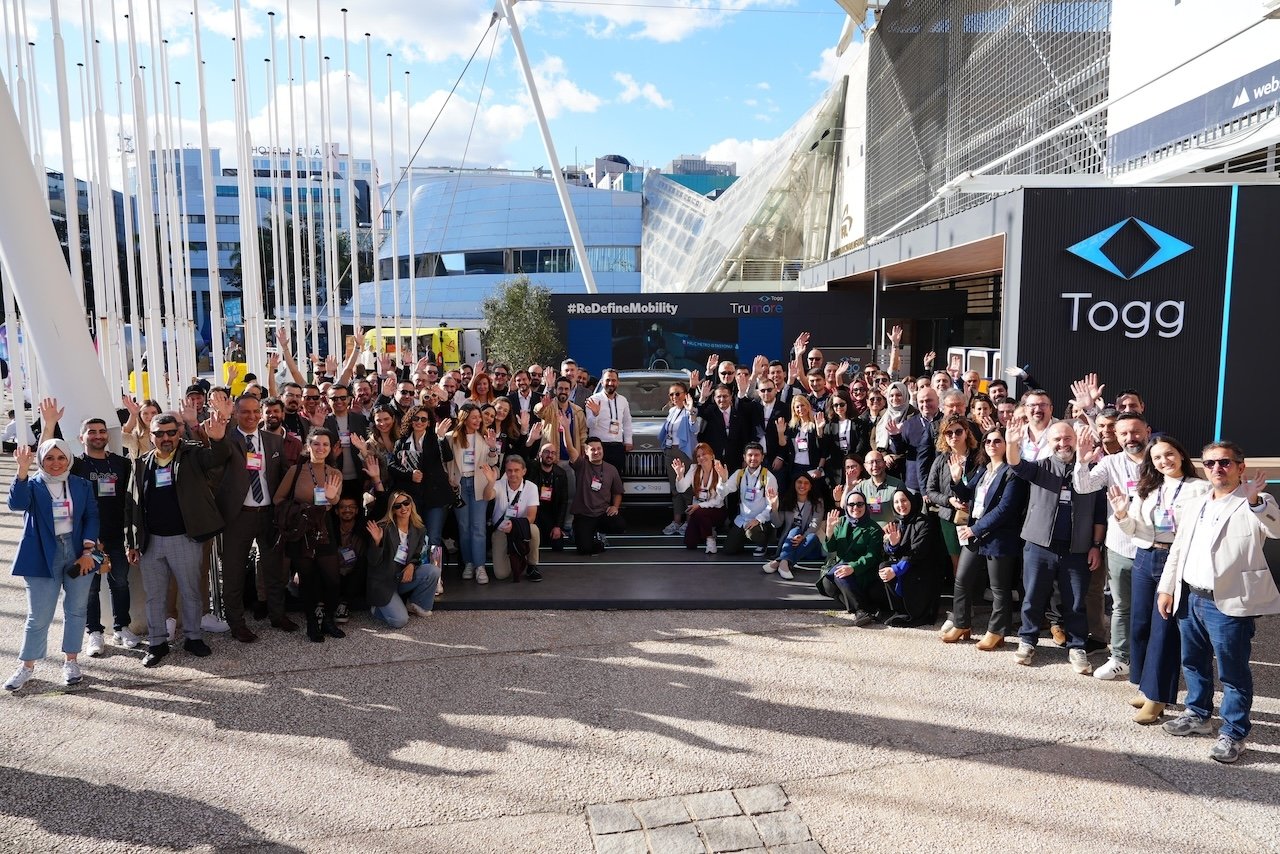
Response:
column 914, row 546
column 515, row 530
column 757, row 498
column 855, row 548
column 400, row 565
column 598, row 498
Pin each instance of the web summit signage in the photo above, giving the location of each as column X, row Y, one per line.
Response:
column 1134, row 283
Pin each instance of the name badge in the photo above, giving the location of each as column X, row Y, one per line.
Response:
column 321, row 500
column 164, row 476
column 1130, row 485
column 348, row 555
column 106, row 486
column 874, row 505
column 61, row 510
column 596, row 483
column 703, row 495
column 615, row 428
column 1164, row 520
column 513, row 510
column 544, row 493
column 469, row 457
column 844, row 443
column 802, row 442
column 402, row 553
column 1064, row 495
column 749, row 494
column 344, row 438
column 253, row 461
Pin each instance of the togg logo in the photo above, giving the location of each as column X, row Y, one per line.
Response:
column 1103, row 316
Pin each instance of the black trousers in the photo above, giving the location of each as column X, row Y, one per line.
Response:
column 248, row 527
column 585, row 528
column 973, row 573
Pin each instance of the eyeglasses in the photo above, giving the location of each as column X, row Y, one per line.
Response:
column 1224, row 462
column 405, row 391
column 339, row 397
column 853, row 504
column 959, row 431
column 815, row 358
column 311, row 397
column 501, row 375
column 771, row 389
column 675, row 394
column 420, row 418
column 993, row 442
column 174, row 432
column 400, row 505
column 875, row 399
column 839, row 405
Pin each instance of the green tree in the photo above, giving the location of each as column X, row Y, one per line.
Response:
column 518, row 320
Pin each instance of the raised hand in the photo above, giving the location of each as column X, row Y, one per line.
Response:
column 781, row 423
column 802, row 343
column 375, row 532
column 712, row 361
column 956, row 464
column 819, row 418
column 523, row 421
column 930, row 358
column 893, row 533
column 832, row 518
column 987, row 423
column 1016, row 432
column 233, row 371
column 223, row 405
column 385, row 366
column 837, row 494
column 721, row 472
column 593, row 405
column 188, row 412
column 892, row 427
column 479, row 366
column 23, row 456
column 333, row 485
column 317, row 418
column 489, row 473
column 215, row 426
column 1255, row 486
column 273, row 363
column 330, row 365
column 372, row 468
column 131, row 405
column 282, row 340
column 1086, row 441
column 677, row 466
column 549, row 378
column 358, row 442
column 704, row 390
column 491, row 439
column 1119, row 500
column 759, row 366
column 536, row 433
column 895, row 336
column 744, row 383
column 50, row 412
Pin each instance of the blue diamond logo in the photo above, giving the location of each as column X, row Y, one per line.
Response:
column 1092, row 249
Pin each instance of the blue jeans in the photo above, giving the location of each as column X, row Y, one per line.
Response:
column 421, row 591
column 809, row 548
column 42, row 601
column 1155, row 652
column 118, row 582
column 1207, row 633
column 433, row 518
column 1041, row 569
column 472, row 525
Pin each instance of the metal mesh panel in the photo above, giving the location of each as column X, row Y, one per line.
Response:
column 954, row 84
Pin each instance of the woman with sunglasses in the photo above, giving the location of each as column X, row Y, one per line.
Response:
column 55, row 554
column 312, row 552
column 956, row 444
column 798, row 519
column 854, row 545
column 842, row 436
column 402, row 574
column 990, row 543
column 472, row 449
column 1166, row 478
column 419, row 467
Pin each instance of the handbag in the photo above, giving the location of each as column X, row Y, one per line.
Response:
column 289, row 517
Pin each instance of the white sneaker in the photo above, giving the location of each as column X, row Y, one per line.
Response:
column 126, row 638
column 211, row 623
column 171, row 626
column 711, row 545
column 440, row 587
column 771, row 566
column 1113, row 669
column 1079, row 661
column 96, row 644
column 19, row 677
column 71, row 673
column 684, row 526
column 417, row 610
column 468, row 572
column 1025, row 653
column 785, row 572
column 482, row 577
column 671, row 530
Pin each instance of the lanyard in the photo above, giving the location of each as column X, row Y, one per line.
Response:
column 1174, row 500
column 613, row 407
column 511, row 498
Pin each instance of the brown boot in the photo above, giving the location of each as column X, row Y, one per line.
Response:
column 1138, row 701
column 1149, row 713
column 991, row 641
column 954, row 634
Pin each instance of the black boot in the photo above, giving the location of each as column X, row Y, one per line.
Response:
column 314, row 616
column 329, row 627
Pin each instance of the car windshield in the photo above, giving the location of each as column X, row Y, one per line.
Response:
column 646, row 395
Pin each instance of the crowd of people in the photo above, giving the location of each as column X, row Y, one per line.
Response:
column 353, row 487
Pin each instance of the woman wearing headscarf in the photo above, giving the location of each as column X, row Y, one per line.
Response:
column 55, row 554
column 854, row 545
column 914, row 555
column 898, row 409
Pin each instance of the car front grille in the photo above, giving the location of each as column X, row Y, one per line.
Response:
column 646, row 464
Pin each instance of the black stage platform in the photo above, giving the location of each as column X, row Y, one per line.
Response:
column 640, row 571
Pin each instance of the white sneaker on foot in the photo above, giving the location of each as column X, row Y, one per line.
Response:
column 711, row 545
column 126, row 638
column 417, row 610
column 440, row 587
column 468, row 572
column 684, row 526
column 1079, row 661
column 771, row 566
column 19, row 677
column 785, row 572
column 670, row 530
column 1113, row 669
column 171, row 626
column 71, row 673
column 96, row 644
column 1025, row 653
column 211, row 623
column 482, row 577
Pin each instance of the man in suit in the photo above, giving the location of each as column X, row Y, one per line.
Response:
column 724, row 427
column 342, row 423
column 915, row 439
column 523, row 397
column 1218, row 583
column 249, row 480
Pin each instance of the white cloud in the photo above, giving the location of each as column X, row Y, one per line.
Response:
column 763, row 86
column 751, row 102
column 670, row 22
column 558, row 92
column 743, row 152
column 826, row 70
column 632, row 91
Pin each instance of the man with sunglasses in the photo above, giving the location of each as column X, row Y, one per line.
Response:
column 342, row 425
column 175, row 513
column 1216, row 582
column 501, row 379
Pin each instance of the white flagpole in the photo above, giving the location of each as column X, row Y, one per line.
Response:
column 299, row 303
column 133, row 285
column 217, row 325
column 306, row 191
column 408, row 207
column 352, row 229
column 273, row 175
column 283, row 296
column 160, row 151
column 395, row 224
column 327, row 231
column 251, row 266
column 100, row 329
column 68, row 158
column 375, row 203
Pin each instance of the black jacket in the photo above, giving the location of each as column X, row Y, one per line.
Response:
column 192, row 463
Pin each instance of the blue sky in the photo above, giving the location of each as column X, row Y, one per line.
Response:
column 648, row 79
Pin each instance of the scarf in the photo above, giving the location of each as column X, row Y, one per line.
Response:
column 43, row 451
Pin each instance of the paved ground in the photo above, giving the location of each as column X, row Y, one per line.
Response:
column 555, row 731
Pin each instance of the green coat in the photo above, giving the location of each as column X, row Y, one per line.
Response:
column 860, row 546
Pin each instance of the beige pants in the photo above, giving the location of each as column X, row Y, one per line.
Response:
column 502, row 562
